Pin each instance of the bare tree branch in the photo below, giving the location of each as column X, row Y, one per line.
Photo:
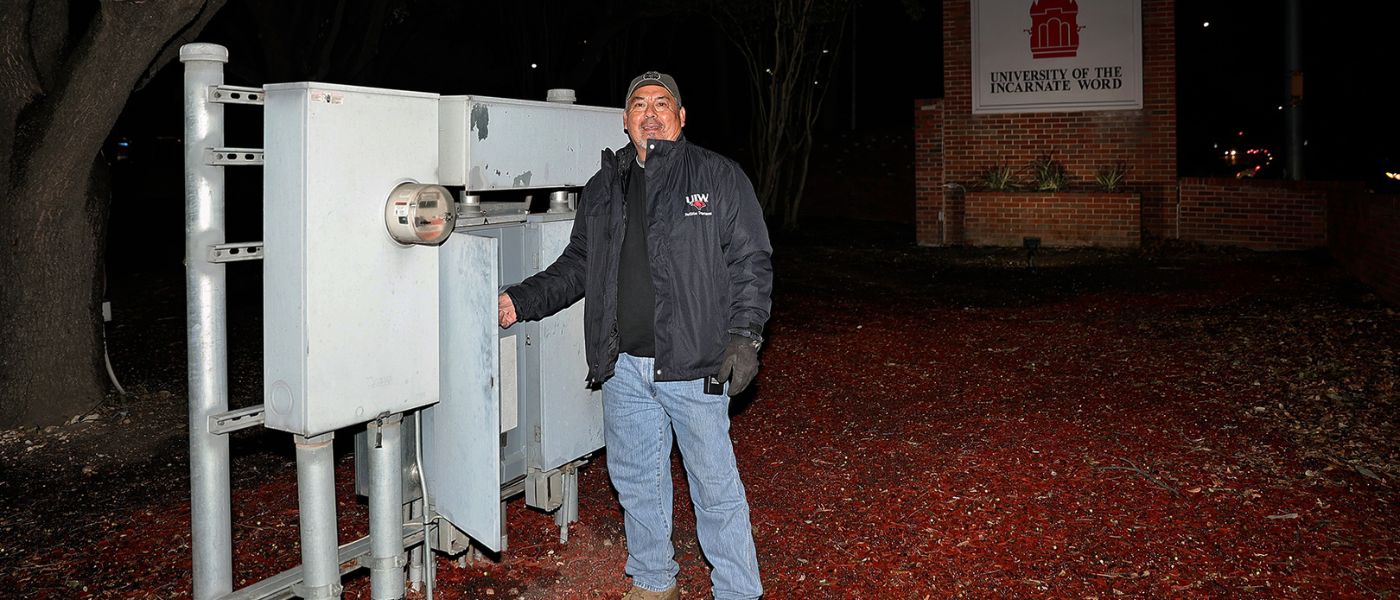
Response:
column 185, row 36
column 321, row 66
column 376, row 17
column 790, row 49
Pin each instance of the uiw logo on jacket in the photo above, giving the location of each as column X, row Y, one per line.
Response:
column 700, row 203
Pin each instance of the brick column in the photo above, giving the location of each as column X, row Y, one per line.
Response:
column 928, row 171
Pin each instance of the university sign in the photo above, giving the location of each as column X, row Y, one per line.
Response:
column 1056, row 55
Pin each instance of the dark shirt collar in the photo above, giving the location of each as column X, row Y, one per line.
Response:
column 658, row 149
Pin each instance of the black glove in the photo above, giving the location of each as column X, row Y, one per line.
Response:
column 740, row 363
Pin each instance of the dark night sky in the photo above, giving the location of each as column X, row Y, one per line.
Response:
column 1231, row 78
column 1231, row 74
column 452, row 48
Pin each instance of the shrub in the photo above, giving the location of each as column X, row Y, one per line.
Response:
column 1048, row 175
column 1109, row 179
column 1000, row 178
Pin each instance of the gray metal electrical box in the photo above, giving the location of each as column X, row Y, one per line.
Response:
column 499, row 143
column 351, row 317
column 358, row 326
column 569, row 420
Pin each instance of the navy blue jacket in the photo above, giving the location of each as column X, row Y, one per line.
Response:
column 711, row 262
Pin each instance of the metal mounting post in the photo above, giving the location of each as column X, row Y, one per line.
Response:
column 386, row 558
column 320, row 550
column 414, row 511
column 568, row 509
column 211, row 539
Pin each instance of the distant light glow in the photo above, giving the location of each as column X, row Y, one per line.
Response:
column 1206, row 24
column 1395, row 176
column 534, row 65
column 1280, row 107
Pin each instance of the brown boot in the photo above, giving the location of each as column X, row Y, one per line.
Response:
column 636, row 593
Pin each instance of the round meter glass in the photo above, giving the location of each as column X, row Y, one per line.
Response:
column 419, row 213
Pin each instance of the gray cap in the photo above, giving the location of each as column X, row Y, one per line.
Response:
column 654, row 78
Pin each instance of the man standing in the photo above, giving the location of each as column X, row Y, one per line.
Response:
column 670, row 249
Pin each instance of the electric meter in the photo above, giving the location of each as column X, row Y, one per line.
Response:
column 419, row 213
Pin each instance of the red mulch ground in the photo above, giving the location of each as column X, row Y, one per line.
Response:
column 929, row 423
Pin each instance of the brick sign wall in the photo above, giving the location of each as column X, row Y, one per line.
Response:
column 1260, row 215
column 1079, row 219
column 1144, row 140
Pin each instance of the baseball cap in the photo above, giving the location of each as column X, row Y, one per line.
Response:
column 654, row 78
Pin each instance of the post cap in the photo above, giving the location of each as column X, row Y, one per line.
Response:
column 561, row 95
column 215, row 52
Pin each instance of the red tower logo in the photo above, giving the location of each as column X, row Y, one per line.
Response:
column 1054, row 28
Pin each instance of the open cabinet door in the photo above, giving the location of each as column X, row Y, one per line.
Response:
column 461, row 435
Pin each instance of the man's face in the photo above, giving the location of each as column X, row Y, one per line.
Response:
column 652, row 114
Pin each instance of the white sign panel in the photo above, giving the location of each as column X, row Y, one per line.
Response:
column 1056, row 55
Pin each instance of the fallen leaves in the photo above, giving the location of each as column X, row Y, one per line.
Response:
column 1108, row 426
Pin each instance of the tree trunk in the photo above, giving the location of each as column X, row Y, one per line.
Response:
column 60, row 100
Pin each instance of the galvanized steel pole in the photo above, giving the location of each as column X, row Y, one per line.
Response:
column 320, row 548
column 386, row 508
column 211, row 535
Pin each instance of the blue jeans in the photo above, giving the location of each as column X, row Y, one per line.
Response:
column 639, row 415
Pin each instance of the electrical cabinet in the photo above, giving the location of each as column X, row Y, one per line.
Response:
column 350, row 316
column 360, row 325
column 569, row 417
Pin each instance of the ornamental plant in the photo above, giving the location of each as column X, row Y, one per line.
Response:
column 1000, row 178
column 1048, row 175
column 1110, row 178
